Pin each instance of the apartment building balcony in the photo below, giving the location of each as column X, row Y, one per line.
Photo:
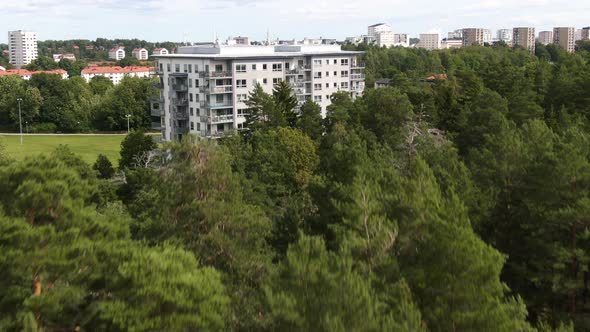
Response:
column 179, row 87
column 215, row 105
column 180, row 115
column 302, row 91
column 179, row 74
column 156, row 112
column 214, row 119
column 217, row 89
column 179, row 101
column 215, row 74
column 357, row 77
column 358, row 89
column 358, row 65
column 156, row 126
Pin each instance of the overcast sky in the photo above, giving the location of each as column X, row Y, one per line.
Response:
column 198, row 20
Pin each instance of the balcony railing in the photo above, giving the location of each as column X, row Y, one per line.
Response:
column 220, row 105
column 356, row 77
column 156, row 112
column 358, row 65
column 217, row 118
column 156, row 125
column 300, row 91
column 179, row 101
column 216, row 89
column 179, row 87
column 215, row 74
column 180, row 115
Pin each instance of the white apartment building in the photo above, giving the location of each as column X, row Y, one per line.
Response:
column 564, row 37
column 429, row 41
column 402, row 39
column 116, row 73
column 68, row 56
column 385, row 39
column 22, row 47
column 545, row 37
column 203, row 89
column 504, row 35
column 457, row 34
column 524, row 37
column 117, row 53
column 586, row 33
column 474, row 36
column 374, row 29
column 451, row 43
column 140, row 53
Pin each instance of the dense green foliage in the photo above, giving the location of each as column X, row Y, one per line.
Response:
column 52, row 104
column 454, row 204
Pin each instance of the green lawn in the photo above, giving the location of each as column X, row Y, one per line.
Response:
column 87, row 147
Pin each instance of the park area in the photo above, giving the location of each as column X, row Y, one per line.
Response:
column 86, row 146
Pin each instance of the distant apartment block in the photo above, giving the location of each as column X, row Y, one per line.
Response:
column 457, row 34
column 451, row 43
column 504, row 35
column 26, row 74
column 564, row 38
column 374, row 29
column 68, row 56
column 429, row 41
column 160, row 51
column 22, row 47
column 524, row 37
column 117, row 53
column 586, row 33
column 204, row 88
column 545, row 37
column 385, row 39
column 577, row 35
column 116, row 73
column 401, row 39
column 474, row 36
column 140, row 54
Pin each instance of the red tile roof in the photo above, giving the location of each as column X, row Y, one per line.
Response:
column 24, row 72
column 116, row 69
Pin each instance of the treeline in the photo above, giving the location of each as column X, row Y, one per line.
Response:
column 456, row 205
column 52, row 104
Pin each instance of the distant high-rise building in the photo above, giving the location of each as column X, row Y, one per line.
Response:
column 524, row 37
column 586, row 33
column 504, row 35
column 545, row 37
column 487, row 36
column 429, row 41
column 474, row 36
column 455, row 34
column 564, row 37
column 578, row 35
column 401, row 39
column 385, row 39
column 22, row 47
column 451, row 43
column 374, row 29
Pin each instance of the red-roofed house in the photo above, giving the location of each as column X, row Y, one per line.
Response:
column 117, row 53
column 69, row 56
column 160, row 51
column 26, row 74
column 140, row 53
column 116, row 73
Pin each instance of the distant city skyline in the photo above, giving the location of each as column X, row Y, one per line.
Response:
column 180, row 20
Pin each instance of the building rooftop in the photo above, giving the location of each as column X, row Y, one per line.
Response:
column 116, row 69
column 24, row 72
column 255, row 51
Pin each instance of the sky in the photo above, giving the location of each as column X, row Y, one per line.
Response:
column 200, row 20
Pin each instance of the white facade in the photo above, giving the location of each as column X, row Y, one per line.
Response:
column 116, row 73
column 22, row 47
column 374, row 29
column 451, row 43
column 455, row 34
column 204, row 88
column 68, row 56
column 160, row 51
column 117, row 53
column 140, row 53
column 401, row 39
column 385, row 39
column 429, row 41
column 504, row 35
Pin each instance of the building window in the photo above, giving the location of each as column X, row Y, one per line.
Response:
column 264, row 81
column 218, row 68
column 277, row 67
column 327, row 61
column 335, row 73
column 276, row 80
column 190, row 68
column 327, row 85
column 242, row 97
column 190, row 83
column 335, row 61
column 317, row 62
column 335, row 84
column 317, row 99
column 264, row 66
column 198, row 112
column 287, row 66
column 192, row 125
column 327, row 97
column 168, row 67
column 327, row 74
column 198, row 126
column 190, row 97
column 241, row 83
column 344, row 85
column 219, row 99
column 317, row 86
column 177, row 68
column 196, row 83
column 344, row 73
column 240, row 68
column 185, row 67
column 192, row 111
column 161, row 67
column 317, row 74
column 254, row 67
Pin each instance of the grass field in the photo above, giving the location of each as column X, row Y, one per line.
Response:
column 87, row 147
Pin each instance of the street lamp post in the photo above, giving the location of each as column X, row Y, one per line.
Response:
column 20, row 120
column 128, row 116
